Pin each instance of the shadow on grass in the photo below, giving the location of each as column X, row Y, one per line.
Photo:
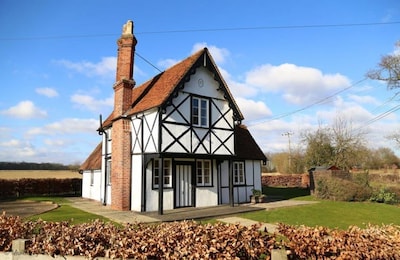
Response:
column 284, row 193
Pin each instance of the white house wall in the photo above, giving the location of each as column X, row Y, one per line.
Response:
column 257, row 175
column 241, row 193
column 136, row 183
column 205, row 196
column 145, row 136
column 91, row 190
column 152, row 194
column 177, row 137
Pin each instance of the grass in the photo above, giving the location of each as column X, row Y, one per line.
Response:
column 64, row 212
column 332, row 214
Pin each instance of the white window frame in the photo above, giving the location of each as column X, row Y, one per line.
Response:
column 238, row 173
column 167, row 173
column 200, row 113
column 203, row 172
column 91, row 177
column 108, row 172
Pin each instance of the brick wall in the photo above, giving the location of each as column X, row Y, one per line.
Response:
column 286, row 180
column 121, row 165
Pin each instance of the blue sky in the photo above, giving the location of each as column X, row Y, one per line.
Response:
column 57, row 66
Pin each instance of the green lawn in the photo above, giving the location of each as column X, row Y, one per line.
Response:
column 332, row 214
column 64, row 212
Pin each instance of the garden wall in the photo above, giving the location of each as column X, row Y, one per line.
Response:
column 286, row 180
column 40, row 187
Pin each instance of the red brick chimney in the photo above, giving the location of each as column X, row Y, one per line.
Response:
column 124, row 77
column 121, row 128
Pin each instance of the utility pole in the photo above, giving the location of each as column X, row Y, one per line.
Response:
column 288, row 134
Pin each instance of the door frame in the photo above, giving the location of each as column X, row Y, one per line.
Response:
column 192, row 184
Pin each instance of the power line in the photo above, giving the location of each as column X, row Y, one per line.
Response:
column 272, row 27
column 279, row 27
column 147, row 61
column 308, row 106
column 378, row 117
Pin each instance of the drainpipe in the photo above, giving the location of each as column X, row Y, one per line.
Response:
column 101, row 131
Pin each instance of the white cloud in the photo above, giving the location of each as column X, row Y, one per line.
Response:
column 219, row 54
column 48, row 92
column 66, row 126
column 238, row 89
column 364, row 99
column 55, row 142
column 165, row 64
column 253, row 110
column 299, row 85
column 88, row 102
column 17, row 149
column 25, row 110
column 105, row 68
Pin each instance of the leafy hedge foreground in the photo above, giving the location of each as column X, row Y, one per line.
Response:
column 191, row 240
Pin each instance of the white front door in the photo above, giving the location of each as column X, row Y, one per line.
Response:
column 184, row 186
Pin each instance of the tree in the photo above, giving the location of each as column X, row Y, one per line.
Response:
column 280, row 161
column 348, row 143
column 319, row 150
column 388, row 69
column 338, row 145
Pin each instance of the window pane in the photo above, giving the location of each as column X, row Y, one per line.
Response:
column 167, row 173
column 207, row 172
column 204, row 112
column 199, row 173
column 156, row 173
column 238, row 173
column 195, row 111
column 207, row 176
column 166, row 180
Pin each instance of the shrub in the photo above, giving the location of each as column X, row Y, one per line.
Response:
column 384, row 196
column 342, row 190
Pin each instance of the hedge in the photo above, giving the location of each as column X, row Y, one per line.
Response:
column 39, row 187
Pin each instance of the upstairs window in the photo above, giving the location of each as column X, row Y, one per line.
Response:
column 203, row 173
column 167, row 173
column 200, row 112
column 238, row 173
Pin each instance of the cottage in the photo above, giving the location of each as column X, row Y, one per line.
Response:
column 174, row 141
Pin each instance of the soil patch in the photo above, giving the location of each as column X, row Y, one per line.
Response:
column 24, row 208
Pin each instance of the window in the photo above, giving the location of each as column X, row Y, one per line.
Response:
column 200, row 112
column 238, row 173
column 91, row 177
column 167, row 173
column 108, row 172
column 203, row 173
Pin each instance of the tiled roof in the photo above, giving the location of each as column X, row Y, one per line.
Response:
column 245, row 145
column 156, row 91
column 93, row 162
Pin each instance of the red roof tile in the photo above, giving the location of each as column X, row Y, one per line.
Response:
column 156, row 91
column 245, row 145
column 93, row 162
